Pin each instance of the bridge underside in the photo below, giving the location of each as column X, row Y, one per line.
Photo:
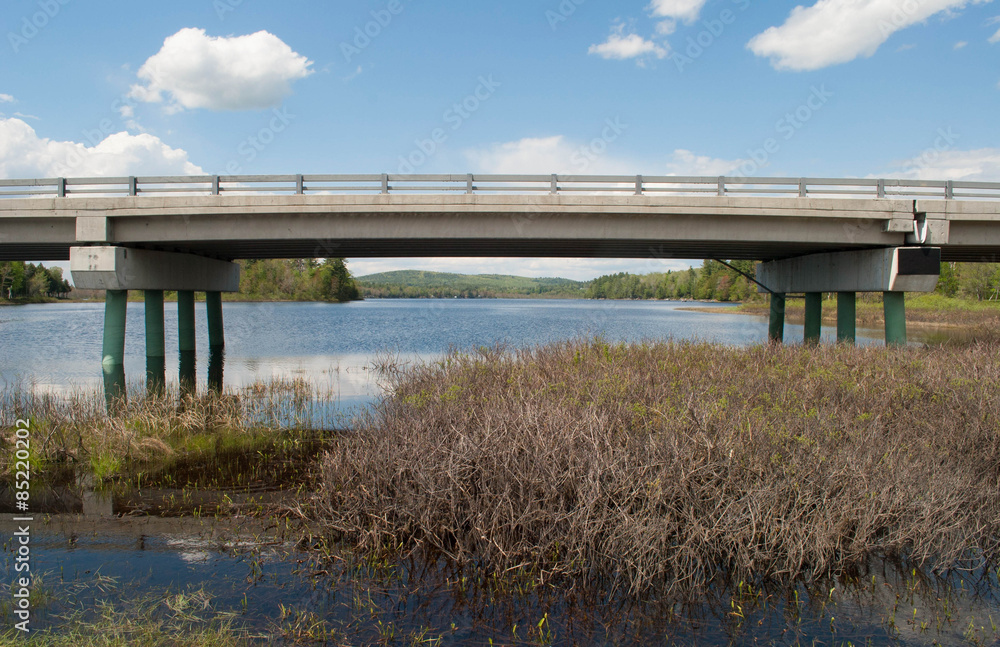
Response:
column 665, row 249
column 251, row 227
column 415, row 248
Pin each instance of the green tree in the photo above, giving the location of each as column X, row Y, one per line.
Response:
column 948, row 284
column 980, row 281
column 297, row 280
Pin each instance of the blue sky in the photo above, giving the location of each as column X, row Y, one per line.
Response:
column 889, row 88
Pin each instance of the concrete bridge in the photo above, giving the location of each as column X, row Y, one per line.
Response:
column 181, row 233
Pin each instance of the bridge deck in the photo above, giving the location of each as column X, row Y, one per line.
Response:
column 603, row 217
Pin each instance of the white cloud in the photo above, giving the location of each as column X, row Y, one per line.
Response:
column 961, row 44
column 557, row 154
column 982, row 165
column 353, row 75
column 666, row 27
column 23, row 154
column 545, row 155
column 6, row 98
column 838, row 31
column 995, row 38
column 684, row 162
column 236, row 73
column 686, row 10
column 620, row 46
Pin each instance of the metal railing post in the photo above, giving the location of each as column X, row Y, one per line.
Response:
column 525, row 184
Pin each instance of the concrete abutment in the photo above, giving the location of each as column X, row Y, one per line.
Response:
column 891, row 271
column 118, row 270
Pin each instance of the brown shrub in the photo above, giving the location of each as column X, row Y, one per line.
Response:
column 679, row 462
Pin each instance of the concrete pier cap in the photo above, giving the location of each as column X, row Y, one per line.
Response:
column 894, row 269
column 122, row 268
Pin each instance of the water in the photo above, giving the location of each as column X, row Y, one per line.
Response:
column 103, row 543
column 57, row 347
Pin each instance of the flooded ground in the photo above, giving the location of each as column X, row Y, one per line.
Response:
column 219, row 536
column 212, row 540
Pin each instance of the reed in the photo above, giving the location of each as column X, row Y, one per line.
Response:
column 664, row 464
column 78, row 429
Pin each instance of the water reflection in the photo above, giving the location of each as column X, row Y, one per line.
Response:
column 187, row 373
column 156, row 374
column 216, row 365
column 272, row 586
column 57, row 347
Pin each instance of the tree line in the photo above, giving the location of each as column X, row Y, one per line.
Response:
column 261, row 280
column 978, row 281
column 330, row 280
column 27, row 281
column 713, row 281
column 297, row 280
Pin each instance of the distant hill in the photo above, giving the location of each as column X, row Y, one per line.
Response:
column 418, row 283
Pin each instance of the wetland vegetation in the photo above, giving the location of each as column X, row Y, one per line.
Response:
column 572, row 493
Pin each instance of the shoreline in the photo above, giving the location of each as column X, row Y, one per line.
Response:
column 797, row 316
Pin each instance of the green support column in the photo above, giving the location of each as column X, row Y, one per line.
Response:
column 216, row 331
column 186, row 341
column 185, row 321
column 814, row 317
column 216, row 361
column 776, row 328
column 156, row 354
column 847, row 320
column 895, row 318
column 113, row 352
column 216, row 340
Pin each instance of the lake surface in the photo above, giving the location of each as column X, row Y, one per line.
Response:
column 57, row 347
column 159, row 538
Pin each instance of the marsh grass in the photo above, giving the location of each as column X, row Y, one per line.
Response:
column 677, row 464
column 921, row 310
column 149, row 428
column 178, row 618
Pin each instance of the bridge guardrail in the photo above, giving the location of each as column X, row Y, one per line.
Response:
column 498, row 184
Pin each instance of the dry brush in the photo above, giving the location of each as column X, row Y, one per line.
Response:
column 678, row 463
